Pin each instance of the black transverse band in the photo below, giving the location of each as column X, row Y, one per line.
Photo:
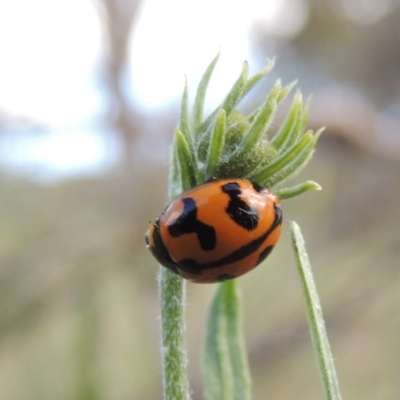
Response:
column 191, row 266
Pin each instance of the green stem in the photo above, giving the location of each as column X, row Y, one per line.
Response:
column 315, row 318
column 173, row 350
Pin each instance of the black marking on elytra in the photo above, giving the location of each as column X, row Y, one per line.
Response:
column 187, row 222
column 258, row 188
column 225, row 277
column 278, row 214
column 243, row 214
column 159, row 250
column 192, row 267
column 189, row 265
column 264, row 254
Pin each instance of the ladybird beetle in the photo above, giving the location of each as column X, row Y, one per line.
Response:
column 216, row 231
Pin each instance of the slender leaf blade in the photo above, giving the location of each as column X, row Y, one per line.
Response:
column 185, row 161
column 217, row 142
column 297, row 190
column 217, row 371
column 298, row 162
column 236, row 343
column 225, row 366
column 256, row 78
column 319, row 336
column 232, row 98
column 184, row 123
column 198, row 107
column 284, row 159
column 260, row 123
column 286, row 132
column 236, row 93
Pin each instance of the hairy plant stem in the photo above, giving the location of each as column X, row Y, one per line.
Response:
column 173, row 347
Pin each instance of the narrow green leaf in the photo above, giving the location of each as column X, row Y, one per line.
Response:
column 286, row 132
column 217, row 142
column 304, row 117
column 231, row 100
column 297, row 190
column 174, row 181
column 236, row 93
column 301, row 124
column 315, row 318
column 281, row 96
column 286, row 91
column 185, row 160
column 253, row 114
column 298, row 162
column 184, row 123
column 225, row 369
column 256, row 78
column 198, row 106
column 283, row 160
column 236, row 344
column 260, row 123
column 217, row 371
column 293, row 168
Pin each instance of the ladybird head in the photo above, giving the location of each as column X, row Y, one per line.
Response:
column 155, row 244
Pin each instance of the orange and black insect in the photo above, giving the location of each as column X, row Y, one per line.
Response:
column 216, row 231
